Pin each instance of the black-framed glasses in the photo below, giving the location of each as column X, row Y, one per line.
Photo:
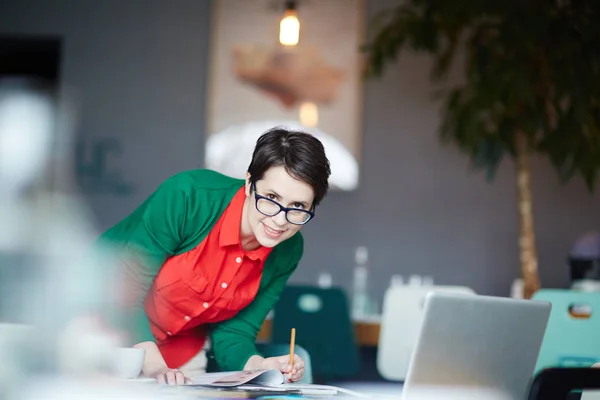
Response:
column 271, row 208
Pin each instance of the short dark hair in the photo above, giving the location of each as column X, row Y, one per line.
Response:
column 300, row 153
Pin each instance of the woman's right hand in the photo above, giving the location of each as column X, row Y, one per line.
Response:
column 156, row 367
column 170, row 376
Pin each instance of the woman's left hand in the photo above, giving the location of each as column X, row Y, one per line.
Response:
column 293, row 372
column 282, row 363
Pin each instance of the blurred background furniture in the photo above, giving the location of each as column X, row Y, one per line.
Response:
column 572, row 334
column 323, row 327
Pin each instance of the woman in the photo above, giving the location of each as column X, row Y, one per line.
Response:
column 208, row 256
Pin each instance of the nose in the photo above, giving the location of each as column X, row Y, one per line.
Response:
column 279, row 219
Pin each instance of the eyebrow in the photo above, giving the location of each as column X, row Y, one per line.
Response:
column 305, row 204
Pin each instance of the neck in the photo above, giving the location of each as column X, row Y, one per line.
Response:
column 247, row 238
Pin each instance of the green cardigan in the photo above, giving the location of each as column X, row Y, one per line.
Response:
column 174, row 220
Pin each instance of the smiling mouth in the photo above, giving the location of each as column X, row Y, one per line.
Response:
column 272, row 232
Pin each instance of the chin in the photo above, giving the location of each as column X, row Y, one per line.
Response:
column 267, row 242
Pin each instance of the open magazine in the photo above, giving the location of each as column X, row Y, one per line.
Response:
column 264, row 380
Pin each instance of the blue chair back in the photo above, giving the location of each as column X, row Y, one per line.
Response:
column 323, row 327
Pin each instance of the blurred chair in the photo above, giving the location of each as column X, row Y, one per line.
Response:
column 400, row 326
column 572, row 336
column 323, row 327
column 275, row 350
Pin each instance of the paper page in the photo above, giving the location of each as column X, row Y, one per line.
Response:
column 209, row 378
column 271, row 377
column 237, row 378
column 312, row 388
column 237, row 392
column 280, row 388
column 307, row 389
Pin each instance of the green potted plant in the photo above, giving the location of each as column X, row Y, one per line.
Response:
column 532, row 85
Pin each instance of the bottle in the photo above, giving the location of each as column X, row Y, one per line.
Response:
column 360, row 298
column 516, row 289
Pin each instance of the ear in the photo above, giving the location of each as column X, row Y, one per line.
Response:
column 248, row 184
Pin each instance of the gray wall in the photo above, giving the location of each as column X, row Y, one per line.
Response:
column 139, row 66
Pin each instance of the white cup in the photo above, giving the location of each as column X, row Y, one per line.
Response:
column 128, row 362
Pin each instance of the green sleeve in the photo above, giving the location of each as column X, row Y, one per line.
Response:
column 143, row 242
column 233, row 340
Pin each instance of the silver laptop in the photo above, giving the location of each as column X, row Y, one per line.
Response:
column 471, row 342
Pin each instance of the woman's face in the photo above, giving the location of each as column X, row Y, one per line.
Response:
column 282, row 188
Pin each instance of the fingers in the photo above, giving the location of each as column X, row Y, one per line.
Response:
column 285, row 368
column 161, row 379
column 171, row 377
column 298, row 363
column 297, row 375
column 179, row 378
column 293, row 372
column 285, row 360
column 297, row 370
column 171, row 380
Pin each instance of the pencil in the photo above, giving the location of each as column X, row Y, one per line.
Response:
column 292, row 344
